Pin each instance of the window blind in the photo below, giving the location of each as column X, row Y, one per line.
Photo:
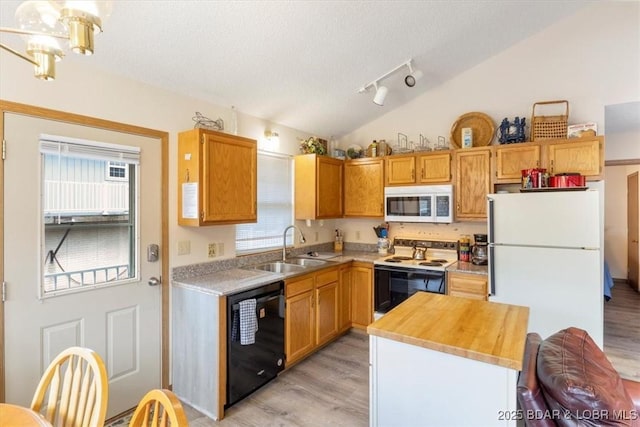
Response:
column 85, row 149
column 275, row 205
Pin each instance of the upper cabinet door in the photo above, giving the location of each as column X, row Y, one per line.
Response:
column 473, row 182
column 318, row 187
column 584, row 156
column 364, row 187
column 511, row 160
column 434, row 168
column 217, row 178
column 401, row 170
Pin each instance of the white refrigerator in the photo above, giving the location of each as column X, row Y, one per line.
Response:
column 545, row 253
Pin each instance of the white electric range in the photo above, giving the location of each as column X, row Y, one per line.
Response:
column 400, row 275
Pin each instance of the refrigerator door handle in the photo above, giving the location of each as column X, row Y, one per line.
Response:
column 490, row 210
column 492, row 276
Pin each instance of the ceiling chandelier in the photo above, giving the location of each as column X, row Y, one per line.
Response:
column 42, row 23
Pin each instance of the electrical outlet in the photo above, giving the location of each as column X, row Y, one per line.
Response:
column 212, row 250
column 184, row 247
column 220, row 249
column 316, row 236
column 358, row 235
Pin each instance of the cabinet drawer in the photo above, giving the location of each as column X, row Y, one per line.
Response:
column 298, row 286
column 467, row 285
column 326, row 276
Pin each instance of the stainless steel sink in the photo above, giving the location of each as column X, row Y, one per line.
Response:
column 306, row 262
column 280, row 267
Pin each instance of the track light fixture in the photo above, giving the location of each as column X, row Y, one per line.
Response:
column 42, row 22
column 382, row 91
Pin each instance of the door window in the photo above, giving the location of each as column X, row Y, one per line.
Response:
column 89, row 219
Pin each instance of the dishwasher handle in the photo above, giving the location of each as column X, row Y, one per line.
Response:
column 261, row 300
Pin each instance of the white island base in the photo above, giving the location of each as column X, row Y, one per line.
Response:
column 416, row 386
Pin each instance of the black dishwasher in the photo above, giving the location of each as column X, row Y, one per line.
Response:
column 251, row 365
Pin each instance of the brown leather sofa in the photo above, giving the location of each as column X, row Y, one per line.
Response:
column 566, row 380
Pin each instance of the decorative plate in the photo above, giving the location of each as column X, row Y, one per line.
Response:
column 482, row 125
column 354, row 151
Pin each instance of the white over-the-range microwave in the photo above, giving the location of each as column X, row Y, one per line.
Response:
column 420, row 203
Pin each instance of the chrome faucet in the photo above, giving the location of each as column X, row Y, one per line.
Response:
column 284, row 241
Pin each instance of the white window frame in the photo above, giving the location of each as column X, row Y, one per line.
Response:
column 116, row 165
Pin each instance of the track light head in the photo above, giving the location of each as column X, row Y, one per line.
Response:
column 381, row 94
column 412, row 78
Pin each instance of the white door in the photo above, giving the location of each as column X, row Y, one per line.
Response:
column 121, row 321
column 561, row 287
column 559, row 219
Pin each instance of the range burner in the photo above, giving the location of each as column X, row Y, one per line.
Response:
column 392, row 260
column 434, row 263
column 438, row 260
column 402, row 258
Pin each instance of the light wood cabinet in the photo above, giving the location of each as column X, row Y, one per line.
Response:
column 299, row 325
column 431, row 168
column 311, row 312
column 584, row 156
column 361, row 295
column 217, row 181
column 434, row 168
column 401, row 170
column 473, row 182
column 511, row 159
column 318, row 187
column 344, row 298
column 467, row 285
column 364, row 187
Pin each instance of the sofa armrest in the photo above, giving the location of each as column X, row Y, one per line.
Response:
column 633, row 388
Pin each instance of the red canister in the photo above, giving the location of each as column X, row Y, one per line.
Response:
column 567, row 180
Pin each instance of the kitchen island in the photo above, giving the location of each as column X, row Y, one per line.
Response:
column 446, row 361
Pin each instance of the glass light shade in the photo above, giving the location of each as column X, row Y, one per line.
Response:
column 40, row 16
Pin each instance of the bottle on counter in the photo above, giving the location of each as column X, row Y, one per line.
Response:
column 383, row 243
column 374, row 148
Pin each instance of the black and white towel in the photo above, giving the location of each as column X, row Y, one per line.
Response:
column 248, row 321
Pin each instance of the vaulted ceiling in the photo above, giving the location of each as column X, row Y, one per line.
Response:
column 301, row 63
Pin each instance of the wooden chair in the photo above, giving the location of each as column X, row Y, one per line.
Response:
column 73, row 390
column 160, row 407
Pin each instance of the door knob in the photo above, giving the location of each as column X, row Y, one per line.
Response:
column 154, row 281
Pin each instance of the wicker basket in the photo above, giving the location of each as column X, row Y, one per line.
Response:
column 549, row 127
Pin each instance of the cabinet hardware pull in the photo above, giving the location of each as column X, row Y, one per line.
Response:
column 413, row 174
column 422, row 173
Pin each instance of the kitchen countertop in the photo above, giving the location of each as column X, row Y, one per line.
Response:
column 480, row 330
column 227, row 282
column 467, row 267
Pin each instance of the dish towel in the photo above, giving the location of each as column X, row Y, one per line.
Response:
column 235, row 326
column 248, row 321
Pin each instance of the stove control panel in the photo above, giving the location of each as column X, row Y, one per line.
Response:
column 430, row 244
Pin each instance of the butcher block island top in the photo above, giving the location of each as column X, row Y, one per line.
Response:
column 480, row 330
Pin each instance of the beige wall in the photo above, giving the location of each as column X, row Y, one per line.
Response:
column 591, row 59
column 80, row 89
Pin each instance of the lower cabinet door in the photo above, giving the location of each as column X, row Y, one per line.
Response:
column 326, row 313
column 299, row 326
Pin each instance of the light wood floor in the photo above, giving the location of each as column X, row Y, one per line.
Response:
column 622, row 330
column 330, row 387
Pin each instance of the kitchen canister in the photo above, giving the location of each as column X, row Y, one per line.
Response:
column 467, row 137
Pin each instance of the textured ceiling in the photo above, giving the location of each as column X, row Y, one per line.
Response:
column 301, row 63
